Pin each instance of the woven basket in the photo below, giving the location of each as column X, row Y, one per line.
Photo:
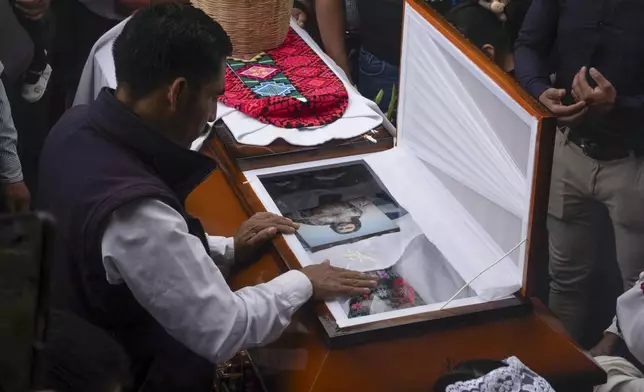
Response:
column 254, row 26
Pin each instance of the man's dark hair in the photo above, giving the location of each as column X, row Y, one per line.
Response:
column 166, row 41
column 480, row 26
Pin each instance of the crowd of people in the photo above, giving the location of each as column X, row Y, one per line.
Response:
column 122, row 210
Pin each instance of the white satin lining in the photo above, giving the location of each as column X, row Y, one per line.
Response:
column 462, row 169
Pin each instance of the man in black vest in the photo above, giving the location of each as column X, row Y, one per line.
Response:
column 129, row 258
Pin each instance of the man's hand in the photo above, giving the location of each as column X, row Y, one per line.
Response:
column 566, row 114
column 299, row 16
column 331, row 282
column 32, row 9
column 16, row 196
column 601, row 98
column 257, row 231
column 606, row 346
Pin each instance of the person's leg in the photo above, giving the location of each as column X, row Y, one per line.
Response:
column 377, row 75
column 88, row 28
column 571, row 233
column 62, row 49
column 353, row 47
column 620, row 185
column 37, row 76
column 36, row 31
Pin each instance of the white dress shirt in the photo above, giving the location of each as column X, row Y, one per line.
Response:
column 10, row 168
column 622, row 375
column 147, row 246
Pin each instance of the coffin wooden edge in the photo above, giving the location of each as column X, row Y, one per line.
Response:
column 336, row 337
column 514, row 327
column 408, row 361
column 537, row 242
column 280, row 153
column 525, row 328
column 536, row 260
column 414, row 363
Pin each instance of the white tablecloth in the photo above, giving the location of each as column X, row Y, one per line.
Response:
column 361, row 116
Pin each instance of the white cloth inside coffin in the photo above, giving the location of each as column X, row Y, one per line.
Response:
column 462, row 169
column 361, row 116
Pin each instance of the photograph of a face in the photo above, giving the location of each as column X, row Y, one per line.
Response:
column 334, row 205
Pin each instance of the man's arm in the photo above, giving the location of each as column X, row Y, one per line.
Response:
column 10, row 169
column 146, row 245
column 606, row 346
column 629, row 108
column 15, row 193
column 222, row 250
column 534, row 44
column 331, row 22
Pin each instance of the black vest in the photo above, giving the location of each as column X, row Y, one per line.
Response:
column 95, row 160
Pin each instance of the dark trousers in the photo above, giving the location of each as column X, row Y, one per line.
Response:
column 377, row 75
column 36, row 31
column 77, row 29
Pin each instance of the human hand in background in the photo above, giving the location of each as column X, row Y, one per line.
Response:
column 16, row 196
column 299, row 16
column 601, row 98
column 331, row 282
column 606, row 346
column 568, row 115
column 32, row 9
column 257, row 231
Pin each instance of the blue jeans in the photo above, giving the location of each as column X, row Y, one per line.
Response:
column 376, row 75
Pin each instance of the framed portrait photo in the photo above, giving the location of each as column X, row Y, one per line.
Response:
column 334, row 205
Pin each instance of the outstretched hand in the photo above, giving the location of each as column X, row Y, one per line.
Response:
column 331, row 282
column 254, row 233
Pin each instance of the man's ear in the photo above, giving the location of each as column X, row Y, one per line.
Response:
column 177, row 93
column 489, row 51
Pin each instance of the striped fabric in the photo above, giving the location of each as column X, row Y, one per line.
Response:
column 10, row 169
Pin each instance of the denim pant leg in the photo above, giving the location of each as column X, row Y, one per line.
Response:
column 376, row 75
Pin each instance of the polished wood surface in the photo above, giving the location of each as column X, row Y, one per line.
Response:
column 250, row 157
column 335, row 336
column 536, row 259
column 535, row 275
column 301, row 361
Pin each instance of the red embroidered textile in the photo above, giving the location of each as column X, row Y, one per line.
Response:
column 289, row 87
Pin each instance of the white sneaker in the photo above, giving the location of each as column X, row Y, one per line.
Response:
column 33, row 92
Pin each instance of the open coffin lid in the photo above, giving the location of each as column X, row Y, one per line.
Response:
column 448, row 219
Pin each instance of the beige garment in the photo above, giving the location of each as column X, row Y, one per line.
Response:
column 580, row 184
column 622, row 376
